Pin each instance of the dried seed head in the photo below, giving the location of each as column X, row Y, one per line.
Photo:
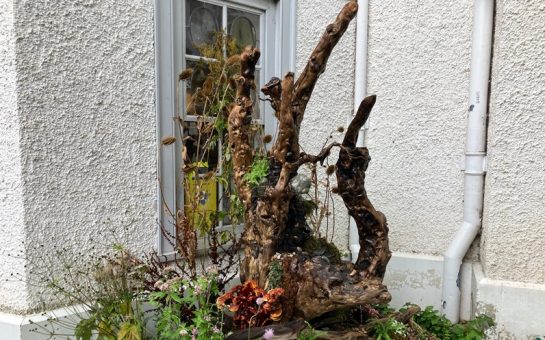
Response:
column 233, row 60
column 207, row 87
column 340, row 129
column 188, row 72
column 335, row 190
column 267, row 139
column 232, row 83
column 330, row 170
column 168, row 140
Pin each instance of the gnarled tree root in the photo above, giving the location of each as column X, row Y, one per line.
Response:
column 313, row 285
column 322, row 287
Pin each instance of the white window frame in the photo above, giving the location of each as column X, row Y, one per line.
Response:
column 169, row 61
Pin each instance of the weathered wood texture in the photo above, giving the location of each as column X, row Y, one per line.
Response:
column 315, row 285
column 374, row 252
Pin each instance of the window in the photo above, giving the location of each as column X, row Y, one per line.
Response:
column 180, row 27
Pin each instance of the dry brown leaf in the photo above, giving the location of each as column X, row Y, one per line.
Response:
column 185, row 74
column 168, row 140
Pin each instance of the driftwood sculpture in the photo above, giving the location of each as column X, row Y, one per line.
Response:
column 313, row 284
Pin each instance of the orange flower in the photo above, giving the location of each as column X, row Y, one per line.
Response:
column 276, row 315
column 243, row 300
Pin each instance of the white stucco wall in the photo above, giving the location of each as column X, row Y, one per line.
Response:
column 85, row 78
column 12, row 292
column 514, row 217
column 332, row 100
column 78, row 145
column 419, row 55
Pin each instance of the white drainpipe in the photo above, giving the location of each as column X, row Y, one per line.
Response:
column 360, row 87
column 475, row 157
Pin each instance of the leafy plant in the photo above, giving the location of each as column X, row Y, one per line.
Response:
column 258, row 173
column 438, row 325
column 113, row 301
column 473, row 329
column 389, row 329
column 209, row 196
column 434, row 323
column 252, row 306
column 186, row 309
column 274, row 277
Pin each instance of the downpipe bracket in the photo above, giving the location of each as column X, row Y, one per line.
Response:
column 474, row 163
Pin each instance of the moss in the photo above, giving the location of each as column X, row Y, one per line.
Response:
column 321, row 247
column 275, row 275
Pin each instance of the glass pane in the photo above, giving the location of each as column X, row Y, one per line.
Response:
column 243, row 27
column 200, row 155
column 225, row 204
column 202, row 22
column 200, row 144
column 195, row 104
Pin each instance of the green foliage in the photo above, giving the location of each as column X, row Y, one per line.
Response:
column 473, row 329
column 320, row 246
column 309, row 333
column 130, row 331
column 383, row 308
column 115, row 311
column 389, row 329
column 258, row 173
column 84, row 329
column 438, row 325
column 187, row 309
column 434, row 323
column 274, row 276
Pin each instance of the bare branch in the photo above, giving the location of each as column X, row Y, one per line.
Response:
column 371, row 224
column 364, row 110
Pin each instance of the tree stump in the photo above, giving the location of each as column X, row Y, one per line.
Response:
column 313, row 284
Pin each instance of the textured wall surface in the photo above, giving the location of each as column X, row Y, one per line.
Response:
column 77, row 128
column 12, row 292
column 332, row 100
column 419, row 55
column 86, row 104
column 514, row 216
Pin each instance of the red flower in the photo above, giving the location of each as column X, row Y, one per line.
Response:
column 242, row 301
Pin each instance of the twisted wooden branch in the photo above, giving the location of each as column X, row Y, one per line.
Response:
column 315, row 285
column 374, row 252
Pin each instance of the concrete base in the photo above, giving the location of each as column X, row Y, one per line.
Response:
column 517, row 308
column 38, row 326
column 415, row 279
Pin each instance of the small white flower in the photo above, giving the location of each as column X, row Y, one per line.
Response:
column 269, row 334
